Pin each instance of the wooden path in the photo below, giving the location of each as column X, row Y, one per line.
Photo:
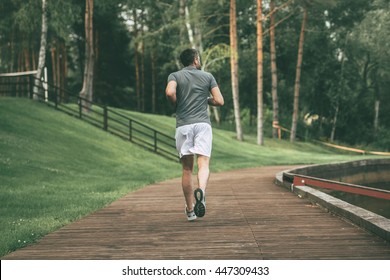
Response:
column 248, row 217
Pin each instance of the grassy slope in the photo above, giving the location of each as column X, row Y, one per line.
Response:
column 55, row 169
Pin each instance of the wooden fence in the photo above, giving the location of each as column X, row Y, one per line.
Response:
column 112, row 120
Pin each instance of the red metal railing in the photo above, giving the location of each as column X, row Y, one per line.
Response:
column 303, row 180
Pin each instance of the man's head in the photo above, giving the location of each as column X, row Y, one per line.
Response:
column 190, row 57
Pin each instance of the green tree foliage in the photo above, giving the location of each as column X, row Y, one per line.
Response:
column 345, row 67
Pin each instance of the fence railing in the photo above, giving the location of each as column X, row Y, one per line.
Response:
column 303, row 180
column 16, row 85
column 109, row 119
column 348, row 177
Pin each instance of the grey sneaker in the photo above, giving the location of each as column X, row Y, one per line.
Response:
column 200, row 205
column 190, row 214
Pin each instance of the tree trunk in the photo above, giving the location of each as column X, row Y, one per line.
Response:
column 58, row 64
column 377, row 103
column 137, row 78
column 182, row 5
column 26, row 59
column 274, row 74
column 334, row 124
column 87, row 90
column 143, row 98
column 63, row 69
column 217, row 118
column 34, row 62
column 198, row 38
column 298, row 79
column 376, row 116
column 136, row 62
column 260, row 138
column 190, row 31
column 53, row 65
column 58, row 69
column 339, row 92
column 12, row 51
column 234, row 68
column 42, row 50
column 153, row 66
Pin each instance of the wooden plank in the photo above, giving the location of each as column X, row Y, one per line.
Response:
column 248, row 217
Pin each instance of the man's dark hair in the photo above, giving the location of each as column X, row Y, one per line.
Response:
column 188, row 56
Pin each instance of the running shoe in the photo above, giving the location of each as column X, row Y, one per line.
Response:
column 200, row 205
column 190, row 214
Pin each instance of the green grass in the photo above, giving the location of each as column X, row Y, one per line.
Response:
column 55, row 169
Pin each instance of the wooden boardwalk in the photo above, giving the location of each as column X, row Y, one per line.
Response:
column 248, row 217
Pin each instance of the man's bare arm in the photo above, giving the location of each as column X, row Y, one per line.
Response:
column 170, row 92
column 217, row 98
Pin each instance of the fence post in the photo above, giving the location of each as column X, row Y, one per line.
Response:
column 155, row 141
column 44, row 84
column 55, row 98
column 80, row 108
column 30, row 86
column 105, row 116
column 130, row 130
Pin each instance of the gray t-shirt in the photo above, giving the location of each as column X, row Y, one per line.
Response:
column 193, row 89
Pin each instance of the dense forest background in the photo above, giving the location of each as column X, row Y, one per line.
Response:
column 344, row 83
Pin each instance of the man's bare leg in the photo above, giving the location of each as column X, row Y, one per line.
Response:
column 186, row 180
column 199, row 193
column 203, row 171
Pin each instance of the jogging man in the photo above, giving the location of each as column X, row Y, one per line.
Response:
column 189, row 91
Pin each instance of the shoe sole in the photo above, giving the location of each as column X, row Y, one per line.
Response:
column 191, row 219
column 200, row 208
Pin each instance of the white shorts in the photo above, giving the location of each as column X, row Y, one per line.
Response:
column 194, row 139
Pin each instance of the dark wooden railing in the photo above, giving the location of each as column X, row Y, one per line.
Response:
column 112, row 120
